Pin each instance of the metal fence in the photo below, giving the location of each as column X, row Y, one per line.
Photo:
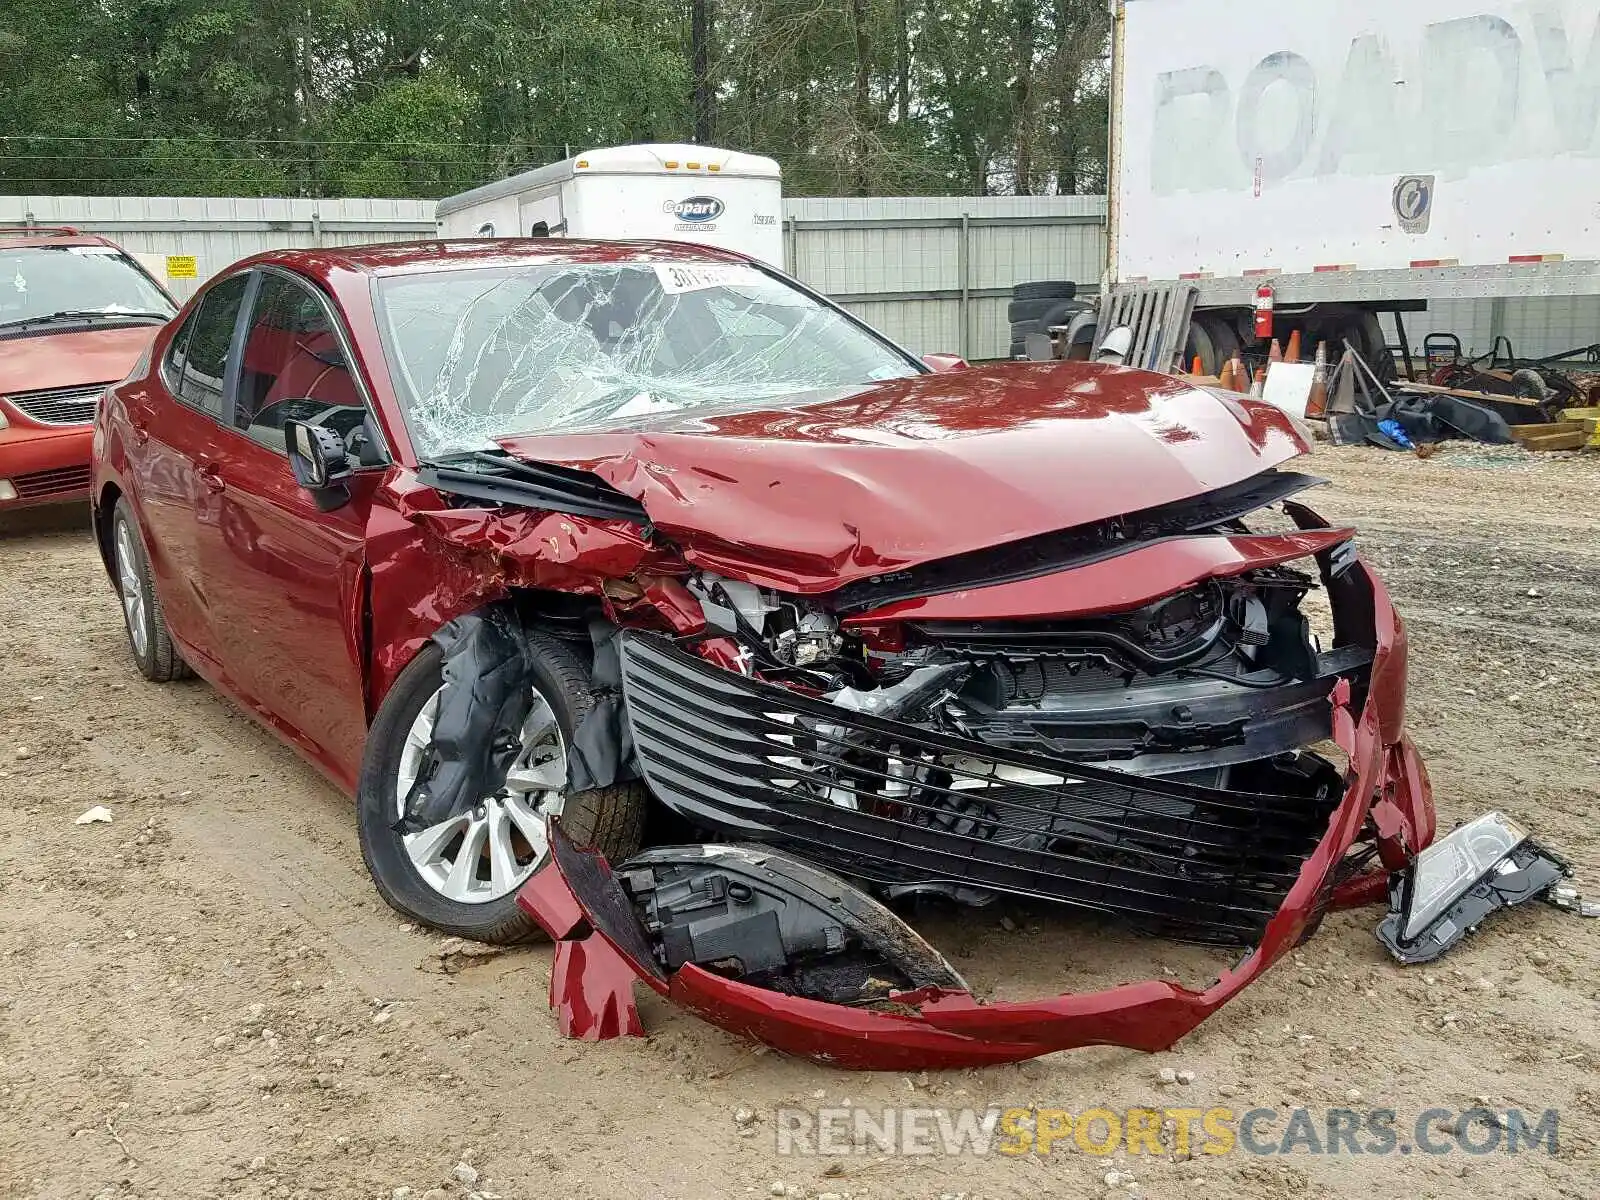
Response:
column 216, row 231
column 936, row 273
column 933, row 273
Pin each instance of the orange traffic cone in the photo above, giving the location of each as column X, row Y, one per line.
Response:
column 1225, row 376
column 1292, row 354
column 1276, row 353
column 1197, row 367
column 1317, row 401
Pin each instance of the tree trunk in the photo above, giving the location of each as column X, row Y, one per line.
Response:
column 1023, row 114
column 902, row 61
column 861, row 108
column 700, row 40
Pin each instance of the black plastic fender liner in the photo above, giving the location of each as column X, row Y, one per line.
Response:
column 484, row 700
column 601, row 753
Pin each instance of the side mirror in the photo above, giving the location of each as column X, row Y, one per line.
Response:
column 939, row 364
column 320, row 464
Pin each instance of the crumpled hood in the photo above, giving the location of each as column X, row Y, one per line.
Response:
column 811, row 497
column 74, row 358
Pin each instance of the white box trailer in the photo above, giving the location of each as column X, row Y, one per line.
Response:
column 1360, row 156
column 675, row 192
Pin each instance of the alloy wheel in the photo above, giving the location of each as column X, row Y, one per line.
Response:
column 131, row 585
column 487, row 852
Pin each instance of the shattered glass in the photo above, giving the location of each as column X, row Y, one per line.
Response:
column 481, row 353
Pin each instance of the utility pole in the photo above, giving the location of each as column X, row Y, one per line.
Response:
column 700, row 17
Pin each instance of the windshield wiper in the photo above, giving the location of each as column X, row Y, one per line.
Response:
column 499, row 478
column 85, row 314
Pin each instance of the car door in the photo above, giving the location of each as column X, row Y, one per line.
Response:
column 173, row 423
column 286, row 579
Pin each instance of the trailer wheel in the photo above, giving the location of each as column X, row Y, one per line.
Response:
column 1374, row 347
column 1199, row 345
column 1225, row 342
column 1045, row 289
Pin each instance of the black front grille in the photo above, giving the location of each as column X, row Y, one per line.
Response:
column 896, row 804
column 63, row 481
column 60, row 406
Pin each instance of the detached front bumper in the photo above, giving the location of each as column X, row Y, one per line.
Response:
column 1385, row 806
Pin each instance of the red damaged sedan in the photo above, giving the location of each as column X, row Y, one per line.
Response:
column 539, row 547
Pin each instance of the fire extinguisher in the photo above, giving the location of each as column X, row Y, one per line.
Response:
column 1264, row 299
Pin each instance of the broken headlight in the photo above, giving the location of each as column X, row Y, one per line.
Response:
column 1487, row 864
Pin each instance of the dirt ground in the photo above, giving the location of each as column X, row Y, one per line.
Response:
column 206, row 997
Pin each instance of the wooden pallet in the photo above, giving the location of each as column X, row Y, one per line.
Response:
column 1559, row 435
column 1589, row 418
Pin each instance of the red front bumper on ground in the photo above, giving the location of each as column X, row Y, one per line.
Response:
column 1386, row 785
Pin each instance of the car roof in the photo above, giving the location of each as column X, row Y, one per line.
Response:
column 396, row 258
column 30, row 236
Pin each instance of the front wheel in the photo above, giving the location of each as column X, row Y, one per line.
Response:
column 461, row 876
column 149, row 639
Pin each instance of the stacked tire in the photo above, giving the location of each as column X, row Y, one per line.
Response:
column 1038, row 305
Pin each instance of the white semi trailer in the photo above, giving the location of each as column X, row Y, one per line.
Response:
column 1357, row 157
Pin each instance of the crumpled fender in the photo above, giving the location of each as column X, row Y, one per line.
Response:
column 431, row 564
column 592, row 994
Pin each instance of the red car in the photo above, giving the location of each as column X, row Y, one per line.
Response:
column 75, row 313
column 652, row 539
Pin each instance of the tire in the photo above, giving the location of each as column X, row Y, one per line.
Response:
column 1199, row 345
column 611, row 819
column 1225, row 342
column 158, row 659
column 1050, row 314
column 1367, row 336
column 1045, row 289
column 1039, row 314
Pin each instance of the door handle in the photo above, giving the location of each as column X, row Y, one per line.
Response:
column 211, row 477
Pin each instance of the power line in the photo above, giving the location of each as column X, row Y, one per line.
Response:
column 211, row 138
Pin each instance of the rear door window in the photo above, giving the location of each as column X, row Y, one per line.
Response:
column 204, row 344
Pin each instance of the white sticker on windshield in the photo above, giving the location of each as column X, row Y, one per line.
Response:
column 677, row 278
column 94, row 251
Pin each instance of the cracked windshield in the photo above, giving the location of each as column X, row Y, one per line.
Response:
column 477, row 354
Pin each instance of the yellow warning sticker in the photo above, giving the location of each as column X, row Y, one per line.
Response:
column 182, row 266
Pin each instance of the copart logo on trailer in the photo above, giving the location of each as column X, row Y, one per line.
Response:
column 1413, row 202
column 695, row 212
